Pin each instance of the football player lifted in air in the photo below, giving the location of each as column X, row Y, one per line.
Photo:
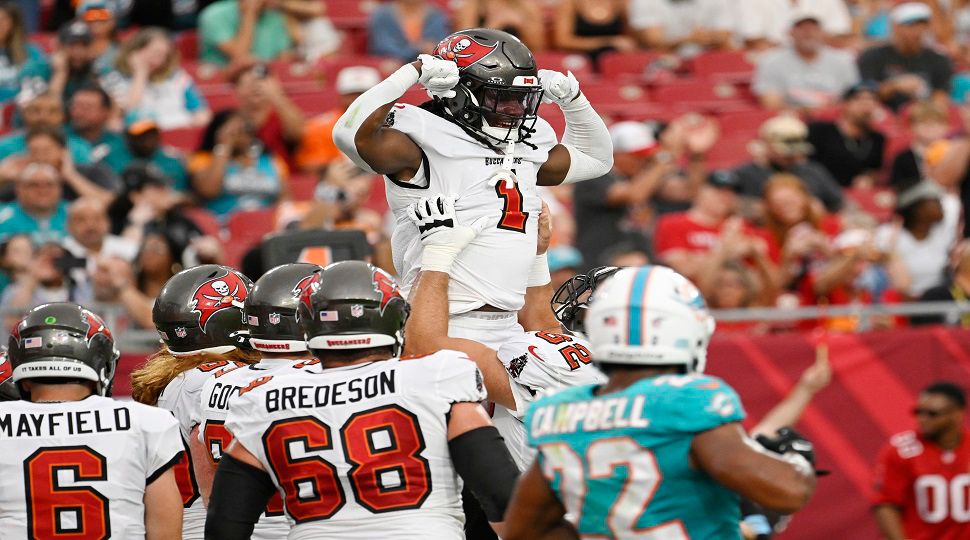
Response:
column 198, row 314
column 270, row 315
column 372, row 446
column 658, row 451
column 75, row 463
column 479, row 138
column 540, row 359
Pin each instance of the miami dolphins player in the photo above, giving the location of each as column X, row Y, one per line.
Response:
column 658, row 452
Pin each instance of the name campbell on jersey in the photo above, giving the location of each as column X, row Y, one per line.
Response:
column 362, row 448
column 494, row 268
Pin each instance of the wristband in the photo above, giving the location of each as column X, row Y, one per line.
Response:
column 539, row 273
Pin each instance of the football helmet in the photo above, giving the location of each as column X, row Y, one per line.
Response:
column 353, row 305
column 63, row 340
column 649, row 316
column 8, row 389
column 200, row 309
column 572, row 298
column 498, row 93
column 270, row 309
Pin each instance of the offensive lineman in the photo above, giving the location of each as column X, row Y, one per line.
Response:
column 372, row 446
column 270, row 315
column 658, row 450
column 198, row 316
column 480, row 138
column 73, row 462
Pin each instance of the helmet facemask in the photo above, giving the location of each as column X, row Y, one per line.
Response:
column 571, row 299
column 501, row 112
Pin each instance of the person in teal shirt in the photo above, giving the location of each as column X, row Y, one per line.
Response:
column 42, row 111
column 17, row 56
column 219, row 25
column 658, row 450
column 89, row 113
column 144, row 143
column 39, row 209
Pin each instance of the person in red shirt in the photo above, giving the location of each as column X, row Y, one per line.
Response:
column 921, row 478
column 277, row 121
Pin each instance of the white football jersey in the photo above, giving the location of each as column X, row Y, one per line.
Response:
column 78, row 469
column 214, row 407
column 494, row 268
column 539, row 363
column 181, row 397
column 361, row 452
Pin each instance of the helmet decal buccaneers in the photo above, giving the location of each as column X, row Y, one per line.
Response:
column 385, row 286
column 217, row 294
column 95, row 326
column 464, row 50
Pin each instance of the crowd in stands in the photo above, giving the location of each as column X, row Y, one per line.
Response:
column 777, row 152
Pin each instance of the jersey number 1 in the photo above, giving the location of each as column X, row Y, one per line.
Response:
column 513, row 216
column 602, row 461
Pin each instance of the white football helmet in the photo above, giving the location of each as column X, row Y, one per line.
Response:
column 649, row 316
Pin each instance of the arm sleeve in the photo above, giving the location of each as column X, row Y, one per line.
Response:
column 163, row 444
column 239, row 495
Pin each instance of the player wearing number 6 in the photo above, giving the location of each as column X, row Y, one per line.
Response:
column 75, row 463
column 480, row 141
column 658, row 451
column 373, row 445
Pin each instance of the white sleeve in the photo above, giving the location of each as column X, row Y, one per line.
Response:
column 458, row 379
column 588, row 141
column 246, row 420
column 163, row 443
column 180, row 398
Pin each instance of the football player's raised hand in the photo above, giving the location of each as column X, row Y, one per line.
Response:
column 558, row 88
column 438, row 76
column 442, row 235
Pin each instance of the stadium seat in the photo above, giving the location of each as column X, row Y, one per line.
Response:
column 625, row 64
column 220, row 101
column 743, row 122
column 579, row 64
column 878, row 203
column 187, row 43
column 248, row 227
column 726, row 66
column 205, row 220
column 729, row 153
column 330, row 67
column 350, row 13
column 609, row 97
column 186, row 139
column 297, row 76
column 314, row 103
column 703, row 95
column 302, row 187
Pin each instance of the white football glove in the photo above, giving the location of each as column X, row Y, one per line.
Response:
column 442, row 236
column 438, row 76
column 558, row 88
column 503, row 176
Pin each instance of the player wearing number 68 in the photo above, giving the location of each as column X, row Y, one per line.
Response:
column 479, row 140
column 656, row 453
column 372, row 446
column 75, row 463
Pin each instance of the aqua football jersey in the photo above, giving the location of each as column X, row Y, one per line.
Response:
column 620, row 462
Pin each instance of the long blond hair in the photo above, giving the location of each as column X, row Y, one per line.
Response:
column 148, row 381
column 137, row 42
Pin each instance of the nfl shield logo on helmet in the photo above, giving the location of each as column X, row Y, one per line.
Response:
column 356, row 310
column 180, row 332
column 274, row 318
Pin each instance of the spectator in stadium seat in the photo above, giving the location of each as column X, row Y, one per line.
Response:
column 783, row 147
column 929, row 124
column 144, row 142
column 625, row 254
column 147, row 82
column 89, row 112
column 100, row 18
column 729, row 284
column 43, row 111
column 232, row 171
column 148, row 202
column 685, row 241
column 806, row 75
column 263, row 103
column 89, row 235
column 403, row 29
column 47, row 145
column 237, row 32
column 45, row 282
column 919, row 473
column 317, row 149
column 564, row 263
column 521, row 18
column 683, row 26
column 592, row 26
column 16, row 256
column 38, row 209
column 956, row 288
column 113, row 282
column 764, row 24
column 71, row 64
column 799, row 227
column 851, row 147
column 313, row 35
column 906, row 68
column 923, row 237
column 17, row 55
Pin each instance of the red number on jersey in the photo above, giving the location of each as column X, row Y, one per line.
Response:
column 217, row 438
column 255, row 383
column 386, row 443
column 185, row 478
column 209, row 366
column 312, row 489
column 382, row 446
column 513, row 218
column 554, row 339
column 576, row 355
column 60, row 512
